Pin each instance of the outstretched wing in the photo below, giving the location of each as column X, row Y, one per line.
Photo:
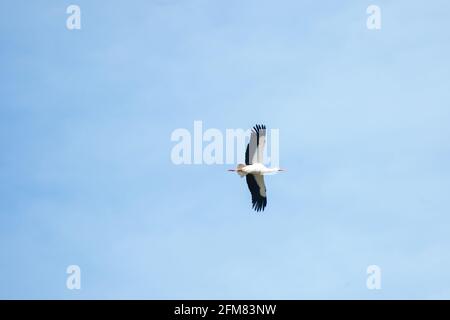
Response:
column 258, row 190
column 255, row 148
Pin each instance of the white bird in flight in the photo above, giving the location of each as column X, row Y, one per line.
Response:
column 254, row 169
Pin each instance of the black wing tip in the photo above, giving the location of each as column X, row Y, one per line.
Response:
column 260, row 204
column 258, row 127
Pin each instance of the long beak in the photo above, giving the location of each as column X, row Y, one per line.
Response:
column 232, row 170
column 282, row 170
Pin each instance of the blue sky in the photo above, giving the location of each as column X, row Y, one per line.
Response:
column 85, row 124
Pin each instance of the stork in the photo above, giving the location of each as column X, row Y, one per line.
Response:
column 254, row 169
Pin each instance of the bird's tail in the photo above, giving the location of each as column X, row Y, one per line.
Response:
column 239, row 170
